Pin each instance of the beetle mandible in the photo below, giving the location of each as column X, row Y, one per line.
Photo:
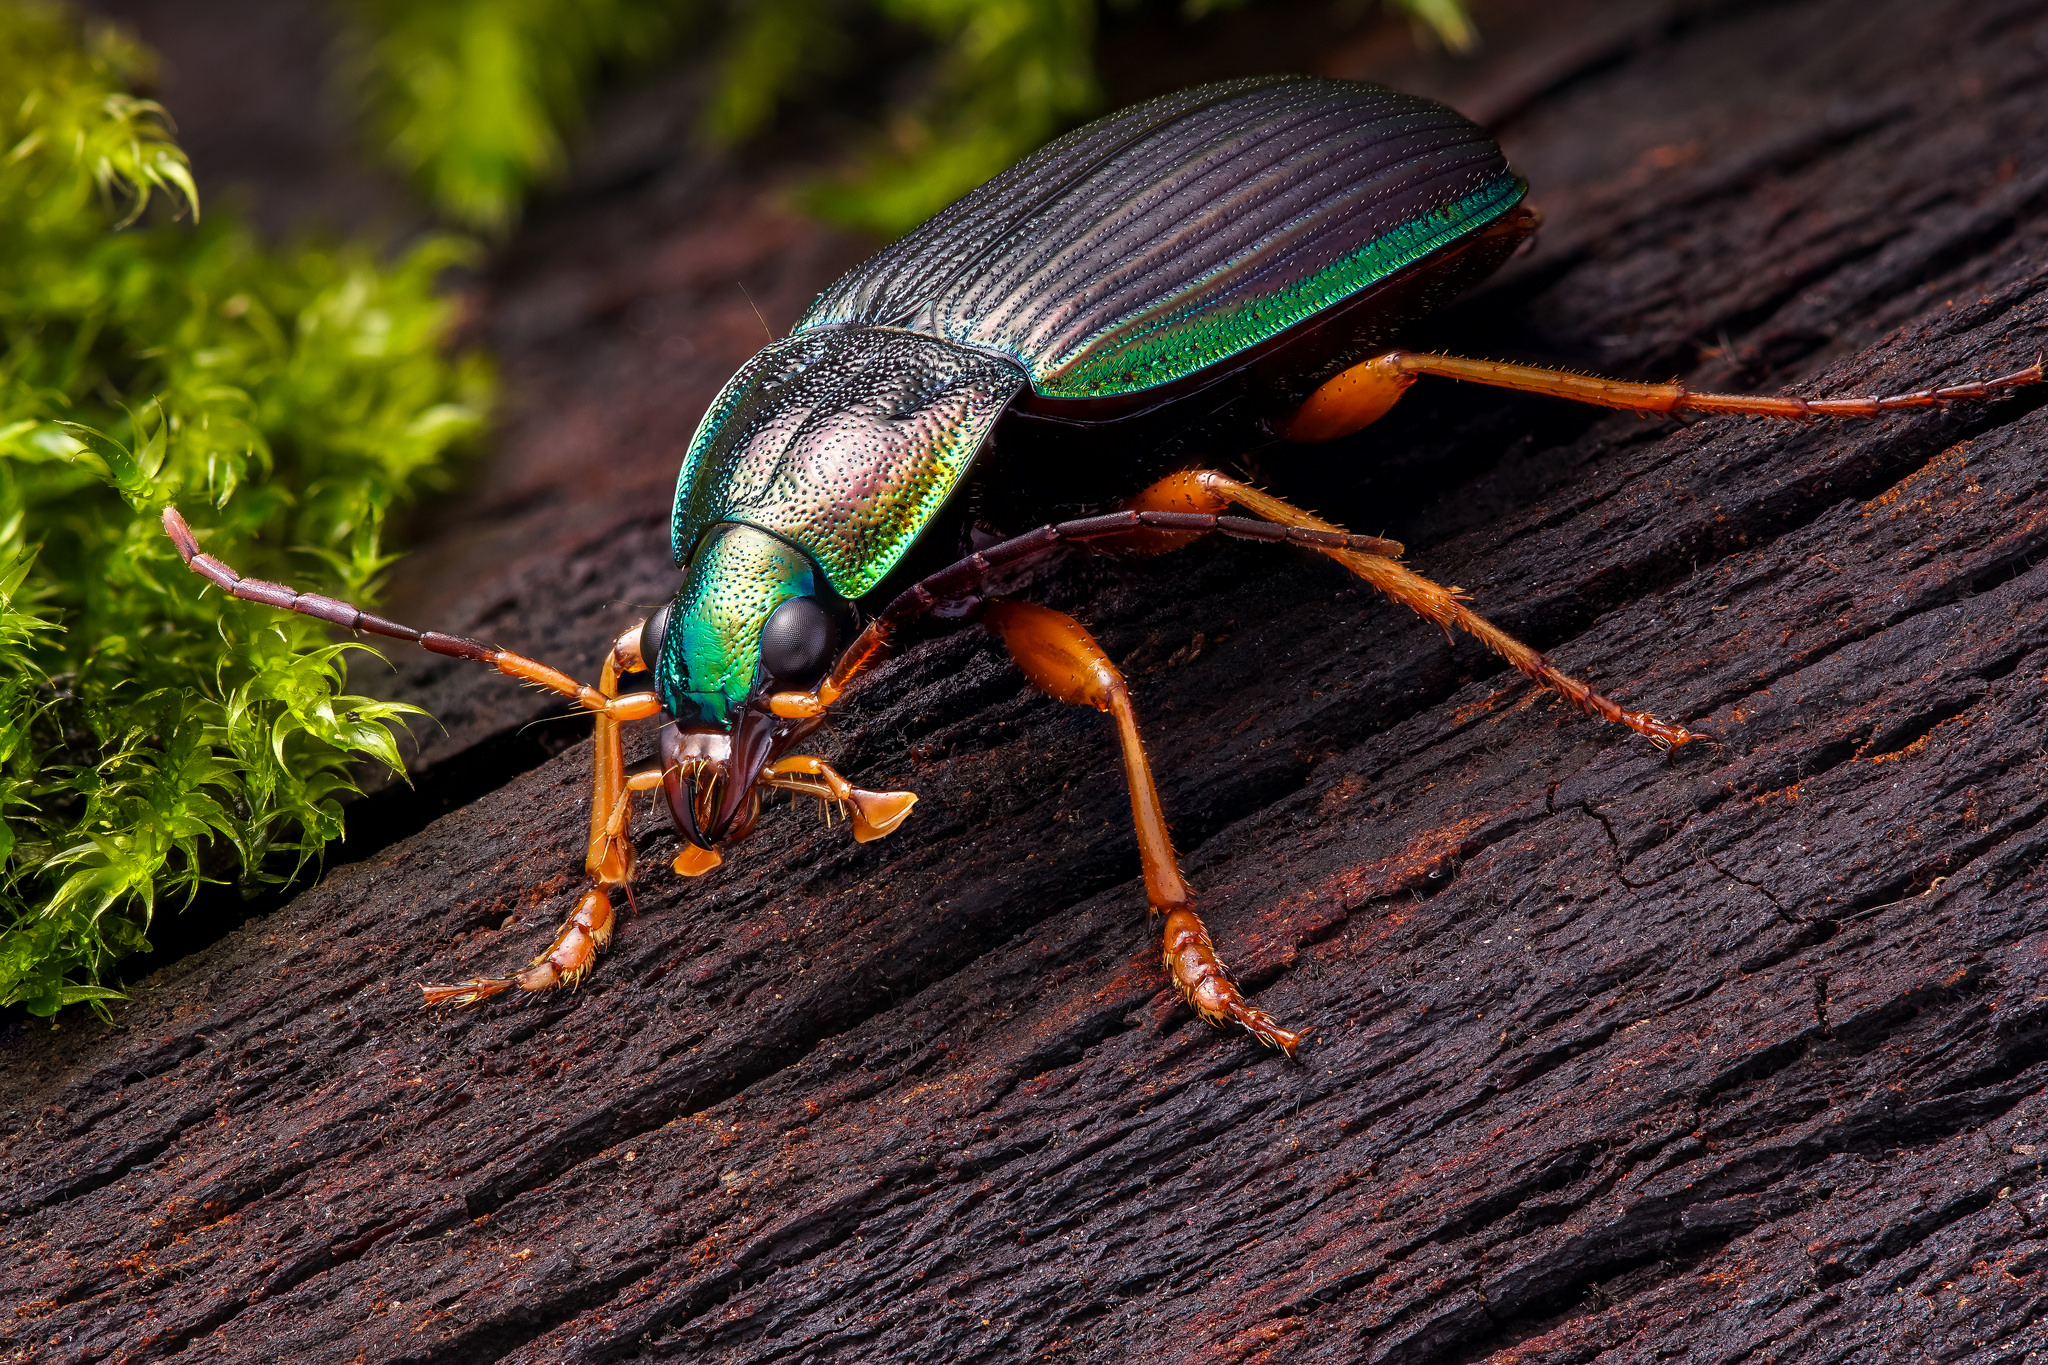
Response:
column 1027, row 370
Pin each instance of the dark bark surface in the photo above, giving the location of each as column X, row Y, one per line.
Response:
column 1736, row 1053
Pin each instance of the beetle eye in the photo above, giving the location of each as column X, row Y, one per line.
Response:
column 796, row 643
column 651, row 633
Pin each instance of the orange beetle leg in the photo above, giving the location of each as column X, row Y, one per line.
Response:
column 1062, row 660
column 1362, row 394
column 1205, row 490
column 608, row 858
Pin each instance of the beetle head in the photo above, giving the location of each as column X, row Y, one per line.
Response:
column 753, row 619
column 752, row 606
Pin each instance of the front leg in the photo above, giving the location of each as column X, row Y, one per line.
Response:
column 608, row 858
column 1062, row 660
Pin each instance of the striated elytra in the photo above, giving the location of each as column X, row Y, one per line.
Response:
column 1036, row 367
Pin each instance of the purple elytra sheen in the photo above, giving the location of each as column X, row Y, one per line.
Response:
column 844, row 442
column 1178, row 234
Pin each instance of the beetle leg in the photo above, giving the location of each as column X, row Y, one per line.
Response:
column 875, row 814
column 1062, row 660
column 962, row 580
column 1362, row 394
column 576, row 946
column 1205, row 490
column 608, row 857
column 1167, row 517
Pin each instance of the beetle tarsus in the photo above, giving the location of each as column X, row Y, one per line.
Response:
column 1199, row 976
column 464, row 992
column 577, row 943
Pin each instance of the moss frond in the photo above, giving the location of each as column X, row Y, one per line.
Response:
column 150, row 741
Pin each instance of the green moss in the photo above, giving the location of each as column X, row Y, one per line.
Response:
column 151, row 740
column 472, row 97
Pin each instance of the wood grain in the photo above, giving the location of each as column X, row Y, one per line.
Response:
column 1736, row 1053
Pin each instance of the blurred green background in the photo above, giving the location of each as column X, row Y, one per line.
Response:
column 474, row 98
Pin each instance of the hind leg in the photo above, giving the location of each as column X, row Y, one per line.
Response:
column 1362, row 394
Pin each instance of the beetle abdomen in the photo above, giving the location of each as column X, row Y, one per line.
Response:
column 1173, row 236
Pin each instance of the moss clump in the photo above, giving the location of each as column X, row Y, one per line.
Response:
column 150, row 741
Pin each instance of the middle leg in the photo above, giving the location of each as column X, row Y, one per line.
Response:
column 1063, row 661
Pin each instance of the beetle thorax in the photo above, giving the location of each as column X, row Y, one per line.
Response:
column 843, row 442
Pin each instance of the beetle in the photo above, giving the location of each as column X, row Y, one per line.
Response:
column 1033, row 368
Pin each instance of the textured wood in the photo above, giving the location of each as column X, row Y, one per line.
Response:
column 1731, row 1054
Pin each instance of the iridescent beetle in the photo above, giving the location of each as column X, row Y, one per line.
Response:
column 1220, row 266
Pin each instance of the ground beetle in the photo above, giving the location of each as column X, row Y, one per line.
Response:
column 1225, row 265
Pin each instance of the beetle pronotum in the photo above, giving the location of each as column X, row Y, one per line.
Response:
column 1234, row 263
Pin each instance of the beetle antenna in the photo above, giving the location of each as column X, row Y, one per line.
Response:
column 636, row 706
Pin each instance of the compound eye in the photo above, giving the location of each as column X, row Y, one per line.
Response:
column 651, row 635
column 797, row 644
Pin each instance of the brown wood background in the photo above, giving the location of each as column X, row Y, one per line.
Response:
column 1733, row 1054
